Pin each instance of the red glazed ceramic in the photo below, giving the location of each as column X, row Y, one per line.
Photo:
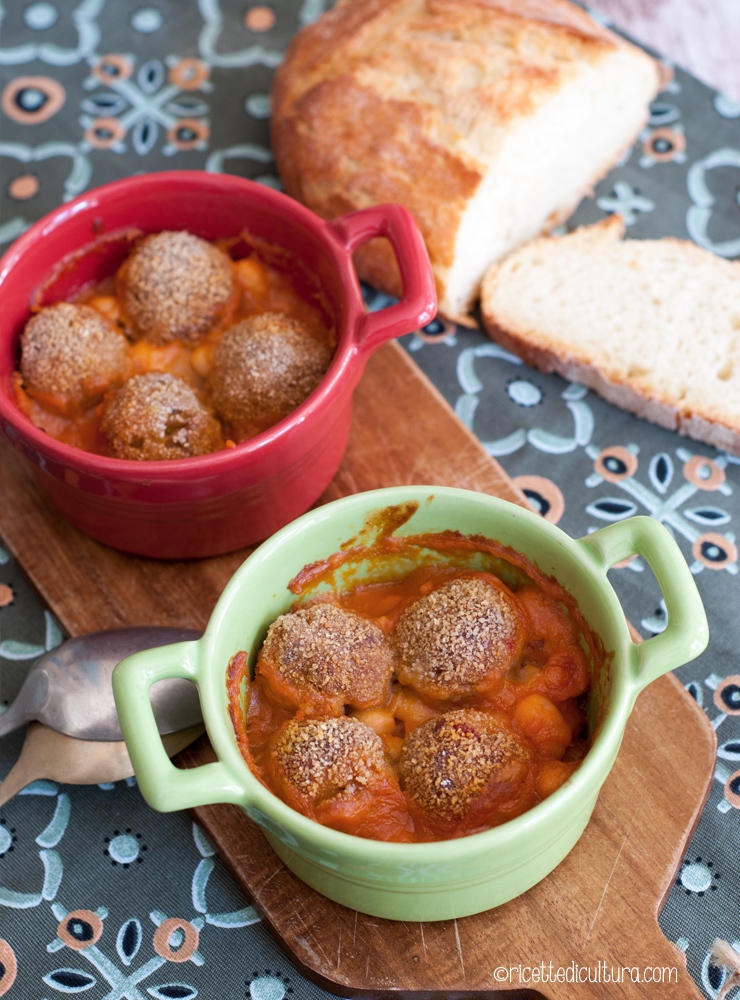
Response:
column 223, row 501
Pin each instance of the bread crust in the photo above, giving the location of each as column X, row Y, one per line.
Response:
column 330, row 165
column 407, row 100
column 652, row 406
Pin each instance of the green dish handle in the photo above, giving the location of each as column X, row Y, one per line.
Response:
column 164, row 786
column 687, row 632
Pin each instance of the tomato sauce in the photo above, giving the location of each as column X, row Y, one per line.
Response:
column 267, row 279
column 539, row 700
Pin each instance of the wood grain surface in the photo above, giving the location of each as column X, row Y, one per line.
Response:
column 702, row 36
column 90, row 586
column 598, row 909
column 599, row 906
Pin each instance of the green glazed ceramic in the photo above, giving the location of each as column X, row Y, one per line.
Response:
column 433, row 881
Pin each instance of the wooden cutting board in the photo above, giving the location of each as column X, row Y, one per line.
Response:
column 599, row 906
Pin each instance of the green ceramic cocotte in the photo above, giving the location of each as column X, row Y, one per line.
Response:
column 431, row 881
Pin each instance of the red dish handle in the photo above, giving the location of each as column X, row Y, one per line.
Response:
column 418, row 303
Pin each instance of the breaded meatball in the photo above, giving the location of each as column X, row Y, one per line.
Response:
column 323, row 658
column 72, row 353
column 467, row 766
column 263, row 368
column 156, row 416
column 176, row 286
column 322, row 759
column 458, row 639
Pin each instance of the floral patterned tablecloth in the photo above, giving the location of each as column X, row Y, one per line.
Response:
column 99, row 893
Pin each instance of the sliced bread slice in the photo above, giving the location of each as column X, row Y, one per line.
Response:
column 651, row 325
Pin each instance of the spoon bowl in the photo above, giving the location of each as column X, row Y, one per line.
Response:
column 69, row 689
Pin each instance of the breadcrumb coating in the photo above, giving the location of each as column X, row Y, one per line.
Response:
column 329, row 758
column 327, row 650
column 263, row 368
column 157, row 416
column 176, row 286
column 460, row 635
column 70, row 350
column 449, row 762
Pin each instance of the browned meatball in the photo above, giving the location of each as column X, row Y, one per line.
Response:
column 322, row 759
column 466, row 768
column 158, row 416
column 458, row 639
column 323, row 658
column 263, row 368
column 176, row 286
column 72, row 353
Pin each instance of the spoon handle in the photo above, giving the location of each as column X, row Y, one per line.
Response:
column 38, row 746
column 11, row 719
column 49, row 754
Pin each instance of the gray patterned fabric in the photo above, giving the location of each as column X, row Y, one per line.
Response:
column 93, row 90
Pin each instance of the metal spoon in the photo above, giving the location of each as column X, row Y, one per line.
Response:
column 69, row 689
column 47, row 754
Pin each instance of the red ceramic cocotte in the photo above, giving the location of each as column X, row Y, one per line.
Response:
column 223, row 501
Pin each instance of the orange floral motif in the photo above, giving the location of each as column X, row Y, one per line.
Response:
column 616, row 463
column 732, row 790
column 23, row 187
column 163, row 936
column 189, row 74
column 188, row 133
column 663, row 144
column 446, row 328
column 104, row 133
column 703, row 472
column 80, row 929
column 259, row 18
column 6, row 595
column 714, row 551
column 544, row 496
column 727, row 695
column 8, row 967
column 113, row 67
column 30, row 100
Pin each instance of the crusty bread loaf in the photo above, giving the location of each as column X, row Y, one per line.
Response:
column 651, row 325
column 487, row 119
